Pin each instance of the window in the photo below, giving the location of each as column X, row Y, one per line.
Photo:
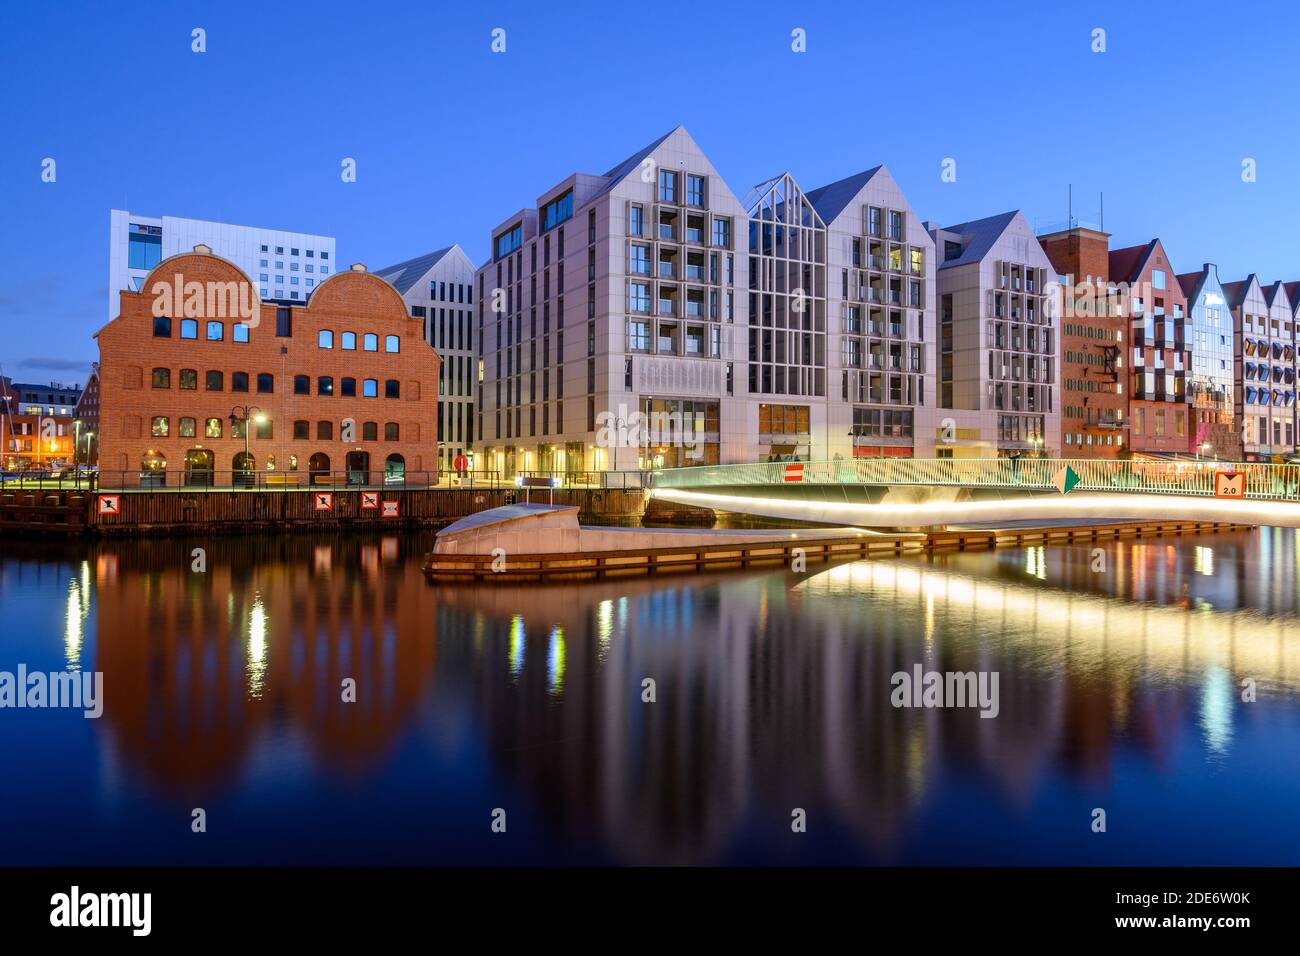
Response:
column 283, row 320
column 239, row 332
column 325, row 339
column 369, row 431
column 216, row 331
column 349, row 387
column 187, row 428
column 392, row 388
column 390, row 431
column 370, row 388
column 265, row 382
column 557, row 211
column 324, row 431
column 694, row 190
column 509, row 241
column 189, row 378
column 370, row 342
column 162, row 378
column 144, row 246
column 189, row 329
column 263, row 428
column 162, row 327
column 301, row 385
column 349, row 341
column 212, row 428
column 639, row 336
column 325, row 385
column 301, row 429
column 638, row 297
column 159, row 427
column 639, row 260
column 392, row 343
column 667, row 186
column 213, row 381
column 239, row 381
column 722, row 233
column 636, row 221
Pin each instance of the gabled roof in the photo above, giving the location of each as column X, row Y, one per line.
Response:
column 1191, row 283
column 830, row 200
column 1126, row 264
column 1271, row 291
column 1236, row 291
column 978, row 237
column 406, row 274
column 1293, row 292
column 629, row 165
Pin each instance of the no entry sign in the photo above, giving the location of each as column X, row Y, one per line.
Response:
column 324, row 500
column 390, row 509
column 110, row 504
column 369, row 500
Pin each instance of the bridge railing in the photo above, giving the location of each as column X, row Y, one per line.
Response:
column 1174, row 476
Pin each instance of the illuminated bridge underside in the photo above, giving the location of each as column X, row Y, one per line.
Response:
column 1037, row 508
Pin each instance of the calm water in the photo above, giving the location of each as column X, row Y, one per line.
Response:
column 1119, row 690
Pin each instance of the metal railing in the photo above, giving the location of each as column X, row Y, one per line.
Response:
column 175, row 479
column 1179, row 476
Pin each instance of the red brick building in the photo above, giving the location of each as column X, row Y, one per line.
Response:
column 201, row 384
column 1158, row 359
column 1094, row 385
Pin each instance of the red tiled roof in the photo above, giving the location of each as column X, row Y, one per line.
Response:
column 1124, row 263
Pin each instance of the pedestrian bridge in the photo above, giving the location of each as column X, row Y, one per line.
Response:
column 911, row 492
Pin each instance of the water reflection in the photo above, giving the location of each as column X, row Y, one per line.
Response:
column 770, row 691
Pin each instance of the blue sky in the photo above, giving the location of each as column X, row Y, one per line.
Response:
column 450, row 138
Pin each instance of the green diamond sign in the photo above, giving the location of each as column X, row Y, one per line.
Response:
column 1065, row 479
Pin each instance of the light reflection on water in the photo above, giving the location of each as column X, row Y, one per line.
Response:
column 1120, row 688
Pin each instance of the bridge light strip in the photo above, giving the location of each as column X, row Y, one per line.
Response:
column 1102, row 507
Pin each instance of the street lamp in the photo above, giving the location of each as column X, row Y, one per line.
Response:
column 241, row 414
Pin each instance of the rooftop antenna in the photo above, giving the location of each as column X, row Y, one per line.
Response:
column 1103, row 211
column 1069, row 214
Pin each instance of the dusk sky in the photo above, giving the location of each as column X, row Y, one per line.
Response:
column 450, row 138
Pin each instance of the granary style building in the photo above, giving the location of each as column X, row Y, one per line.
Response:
column 201, row 383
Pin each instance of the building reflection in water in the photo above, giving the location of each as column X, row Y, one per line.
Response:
column 772, row 690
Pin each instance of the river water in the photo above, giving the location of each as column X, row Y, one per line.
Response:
column 1121, row 676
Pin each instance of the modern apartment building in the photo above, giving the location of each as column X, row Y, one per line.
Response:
column 438, row 289
column 998, row 342
column 286, row 265
column 880, row 329
column 195, row 392
column 1157, row 313
column 612, row 325
column 1264, row 393
column 51, row 398
column 1093, row 333
column 1210, row 375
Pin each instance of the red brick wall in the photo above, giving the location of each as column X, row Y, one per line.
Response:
column 346, row 302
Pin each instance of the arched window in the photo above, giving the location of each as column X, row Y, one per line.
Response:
column 349, row 341
column 370, row 431
column 318, row 465
column 391, row 431
column 239, row 381
column 394, row 468
column 187, row 427
column 153, row 469
column 213, row 381
column 162, row 378
column 244, row 469
column 301, row 429
column 216, row 331
column 392, row 343
column 325, row 339
column 189, row 378
column 370, row 388
column 325, row 385
column 160, row 426
column 212, row 428
column 349, row 387
column 265, row 382
column 371, row 342
column 301, row 385
column 324, row 431
column 392, row 388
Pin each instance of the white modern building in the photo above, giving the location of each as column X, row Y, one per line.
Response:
column 438, row 288
column 999, row 347
column 286, row 265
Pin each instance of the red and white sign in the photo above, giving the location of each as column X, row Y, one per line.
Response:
column 110, row 505
column 324, row 500
column 794, row 472
column 1229, row 484
column 369, row 500
column 390, row 509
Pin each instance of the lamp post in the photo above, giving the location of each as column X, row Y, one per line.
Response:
column 242, row 414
